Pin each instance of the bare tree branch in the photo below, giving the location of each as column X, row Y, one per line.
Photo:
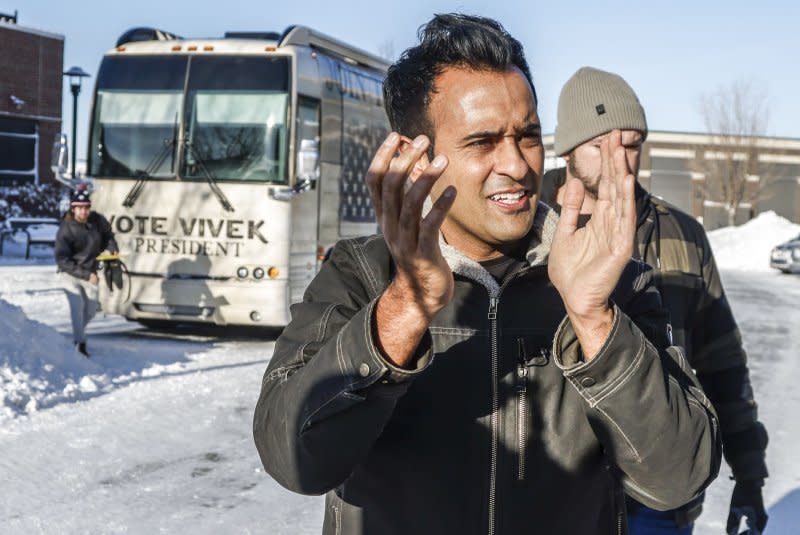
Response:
column 735, row 117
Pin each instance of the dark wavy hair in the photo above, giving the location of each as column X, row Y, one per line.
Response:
column 451, row 40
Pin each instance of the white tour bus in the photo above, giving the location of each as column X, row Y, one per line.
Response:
column 229, row 167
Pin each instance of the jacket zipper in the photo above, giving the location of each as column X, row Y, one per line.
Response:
column 337, row 519
column 522, row 412
column 619, row 502
column 495, row 421
column 495, row 408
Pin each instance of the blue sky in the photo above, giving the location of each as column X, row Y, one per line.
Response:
column 670, row 52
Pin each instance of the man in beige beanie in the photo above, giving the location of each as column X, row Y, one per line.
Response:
column 591, row 105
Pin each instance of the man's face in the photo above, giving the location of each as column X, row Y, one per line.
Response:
column 485, row 122
column 81, row 213
column 585, row 163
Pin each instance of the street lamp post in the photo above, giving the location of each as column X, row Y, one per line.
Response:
column 76, row 76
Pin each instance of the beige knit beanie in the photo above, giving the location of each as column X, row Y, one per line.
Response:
column 592, row 103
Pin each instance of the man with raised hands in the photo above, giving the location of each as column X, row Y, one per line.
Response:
column 481, row 366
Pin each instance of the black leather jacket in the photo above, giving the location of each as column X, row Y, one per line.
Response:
column 500, row 428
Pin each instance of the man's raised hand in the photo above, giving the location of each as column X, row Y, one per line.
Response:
column 423, row 283
column 585, row 264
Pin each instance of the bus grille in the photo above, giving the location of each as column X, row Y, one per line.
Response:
column 175, row 310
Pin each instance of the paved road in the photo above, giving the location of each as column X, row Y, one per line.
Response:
column 767, row 308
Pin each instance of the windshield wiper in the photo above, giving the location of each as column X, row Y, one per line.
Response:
column 155, row 164
column 212, row 183
column 143, row 175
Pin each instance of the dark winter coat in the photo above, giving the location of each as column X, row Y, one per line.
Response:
column 77, row 244
column 676, row 246
column 500, row 427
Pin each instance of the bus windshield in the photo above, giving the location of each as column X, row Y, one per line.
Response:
column 233, row 111
column 137, row 107
column 236, row 118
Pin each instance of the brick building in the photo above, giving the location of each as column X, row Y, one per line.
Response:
column 674, row 166
column 31, row 63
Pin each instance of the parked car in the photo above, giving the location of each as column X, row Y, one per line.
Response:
column 786, row 256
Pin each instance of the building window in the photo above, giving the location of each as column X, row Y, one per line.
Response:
column 19, row 143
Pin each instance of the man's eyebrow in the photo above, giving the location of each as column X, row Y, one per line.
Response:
column 482, row 134
column 530, row 128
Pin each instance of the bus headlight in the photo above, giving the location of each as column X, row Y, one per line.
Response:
column 242, row 272
column 258, row 273
column 273, row 272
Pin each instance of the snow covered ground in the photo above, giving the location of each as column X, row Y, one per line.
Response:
column 747, row 247
column 153, row 434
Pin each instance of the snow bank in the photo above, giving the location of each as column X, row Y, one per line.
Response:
column 747, row 247
column 38, row 366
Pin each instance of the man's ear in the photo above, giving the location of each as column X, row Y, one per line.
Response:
column 419, row 165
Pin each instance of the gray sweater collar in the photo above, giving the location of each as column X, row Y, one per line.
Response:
column 541, row 236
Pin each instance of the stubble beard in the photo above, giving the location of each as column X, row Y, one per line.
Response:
column 591, row 186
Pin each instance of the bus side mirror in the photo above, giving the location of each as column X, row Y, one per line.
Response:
column 60, row 157
column 306, row 172
column 307, row 165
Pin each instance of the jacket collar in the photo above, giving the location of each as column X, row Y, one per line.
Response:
column 642, row 203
